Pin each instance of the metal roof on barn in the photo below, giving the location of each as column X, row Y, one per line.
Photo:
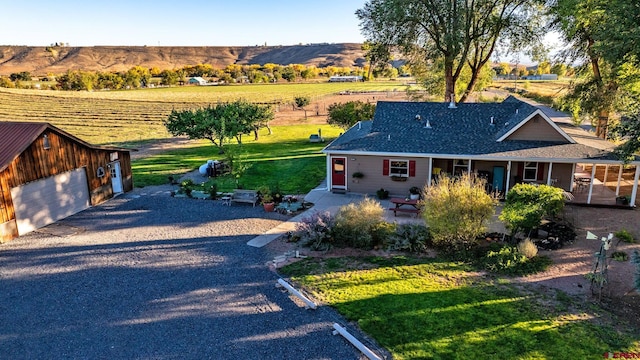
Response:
column 16, row 137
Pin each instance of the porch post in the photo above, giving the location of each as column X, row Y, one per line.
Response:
column 573, row 177
column 469, row 167
column 619, row 180
column 606, row 173
column 634, row 192
column 329, row 180
column 430, row 173
column 506, row 187
column 549, row 174
column 593, row 174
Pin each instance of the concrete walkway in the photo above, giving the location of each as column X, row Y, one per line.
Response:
column 324, row 200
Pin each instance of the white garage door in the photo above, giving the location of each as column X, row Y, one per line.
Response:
column 46, row 201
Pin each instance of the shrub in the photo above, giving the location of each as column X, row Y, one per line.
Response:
column 550, row 198
column 186, row 186
column 382, row 194
column 355, row 222
column 526, row 204
column 508, row 260
column 314, row 231
column 527, row 248
column 620, row 256
column 625, row 236
column 409, row 237
column 457, row 211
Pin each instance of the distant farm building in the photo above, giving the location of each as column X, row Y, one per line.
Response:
column 197, row 80
column 346, row 79
column 541, row 77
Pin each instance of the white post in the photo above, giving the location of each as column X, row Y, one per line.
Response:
column 593, row 174
column 365, row 350
column 329, row 173
column 606, row 174
column 430, row 174
column 469, row 167
column 506, row 188
column 619, row 180
column 634, row 192
column 573, row 177
column 549, row 174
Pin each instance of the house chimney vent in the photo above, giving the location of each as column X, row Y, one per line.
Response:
column 493, row 122
column 452, row 103
column 517, row 111
column 359, row 125
column 389, row 137
column 427, row 125
column 418, row 117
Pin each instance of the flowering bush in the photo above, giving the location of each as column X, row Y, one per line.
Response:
column 315, row 231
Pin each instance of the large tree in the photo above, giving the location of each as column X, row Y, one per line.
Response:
column 220, row 122
column 603, row 34
column 458, row 32
column 578, row 22
column 347, row 114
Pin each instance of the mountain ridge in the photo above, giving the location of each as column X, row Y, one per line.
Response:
column 43, row 60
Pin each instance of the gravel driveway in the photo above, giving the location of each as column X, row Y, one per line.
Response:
column 148, row 276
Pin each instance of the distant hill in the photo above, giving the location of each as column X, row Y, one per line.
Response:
column 40, row 60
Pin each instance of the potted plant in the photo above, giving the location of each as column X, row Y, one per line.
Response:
column 357, row 175
column 266, row 198
column 414, row 193
column 382, row 194
column 398, row 178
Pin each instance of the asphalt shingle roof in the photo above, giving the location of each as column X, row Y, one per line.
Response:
column 465, row 130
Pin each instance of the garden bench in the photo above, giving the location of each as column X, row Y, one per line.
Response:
column 245, row 196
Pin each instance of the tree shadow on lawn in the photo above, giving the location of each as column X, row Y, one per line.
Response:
column 479, row 322
column 440, row 309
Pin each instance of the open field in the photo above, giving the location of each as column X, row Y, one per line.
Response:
column 546, row 88
column 117, row 117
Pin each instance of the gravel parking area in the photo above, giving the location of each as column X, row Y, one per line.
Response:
column 148, row 276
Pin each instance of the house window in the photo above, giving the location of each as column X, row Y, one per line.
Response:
column 530, row 172
column 399, row 168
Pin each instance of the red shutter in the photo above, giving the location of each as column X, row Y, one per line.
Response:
column 385, row 167
column 412, row 168
column 540, row 171
column 520, row 170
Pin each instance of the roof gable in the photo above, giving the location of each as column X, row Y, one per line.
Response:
column 16, row 137
column 553, row 132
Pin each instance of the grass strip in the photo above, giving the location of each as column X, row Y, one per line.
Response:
column 434, row 309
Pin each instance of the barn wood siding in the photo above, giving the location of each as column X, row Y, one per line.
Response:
column 64, row 155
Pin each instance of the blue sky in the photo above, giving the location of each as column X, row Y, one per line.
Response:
column 178, row 23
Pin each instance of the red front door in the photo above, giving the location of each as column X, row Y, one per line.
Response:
column 338, row 172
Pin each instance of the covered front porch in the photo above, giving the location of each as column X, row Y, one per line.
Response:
column 605, row 185
column 594, row 184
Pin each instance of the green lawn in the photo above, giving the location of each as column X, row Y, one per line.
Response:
column 285, row 159
column 434, row 309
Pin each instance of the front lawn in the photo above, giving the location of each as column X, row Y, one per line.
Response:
column 436, row 309
column 286, row 159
